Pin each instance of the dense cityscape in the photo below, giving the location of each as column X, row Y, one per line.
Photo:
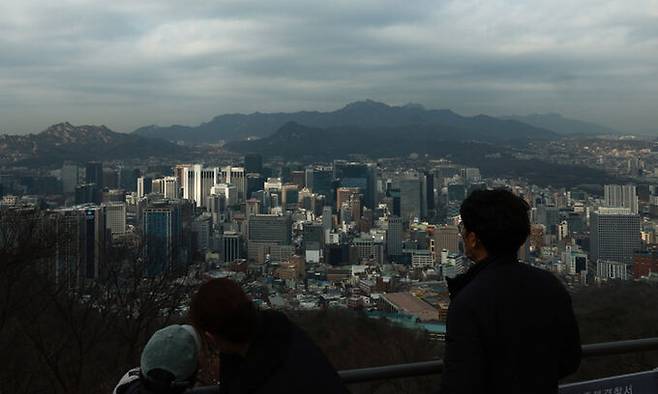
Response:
column 379, row 236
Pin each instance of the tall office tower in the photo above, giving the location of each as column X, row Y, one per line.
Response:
column 298, row 178
column 144, row 186
column 70, row 177
column 87, row 193
column 621, row 196
column 162, row 235
column 255, row 182
column 270, row 228
column 410, row 199
column 253, row 162
column 355, row 205
column 357, row 175
column 470, row 175
column 345, row 195
column 204, row 179
column 394, row 236
column 188, row 180
column 115, row 217
column 289, row 196
column 313, row 236
column 327, row 219
column 229, row 192
column 319, row 180
column 128, row 178
column 252, row 207
column 180, row 172
column 231, row 249
column 447, row 237
column 456, row 193
column 81, row 244
column 201, row 233
column 429, row 191
column 217, row 208
column 235, row 176
column 615, row 234
column 94, row 242
column 94, row 173
column 110, row 178
column 157, row 186
column 170, row 188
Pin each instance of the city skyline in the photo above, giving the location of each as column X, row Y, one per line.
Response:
column 128, row 65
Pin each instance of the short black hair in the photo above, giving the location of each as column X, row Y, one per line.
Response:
column 222, row 308
column 499, row 219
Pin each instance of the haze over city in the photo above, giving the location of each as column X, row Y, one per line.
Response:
column 127, row 65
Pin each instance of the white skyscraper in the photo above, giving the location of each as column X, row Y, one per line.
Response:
column 235, row 176
column 621, row 196
column 170, row 187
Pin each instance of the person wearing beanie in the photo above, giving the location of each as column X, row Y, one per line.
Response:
column 168, row 365
column 259, row 351
column 510, row 327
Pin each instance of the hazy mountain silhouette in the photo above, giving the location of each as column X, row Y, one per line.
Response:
column 64, row 141
column 494, row 154
column 560, row 124
column 363, row 114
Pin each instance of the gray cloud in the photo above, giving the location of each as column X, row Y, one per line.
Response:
column 126, row 65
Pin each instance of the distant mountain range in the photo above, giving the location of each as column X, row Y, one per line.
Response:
column 359, row 115
column 64, row 141
column 494, row 156
column 562, row 125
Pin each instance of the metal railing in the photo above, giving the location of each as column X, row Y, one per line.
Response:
column 433, row 367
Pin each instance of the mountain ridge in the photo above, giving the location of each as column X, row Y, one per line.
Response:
column 64, row 141
column 365, row 114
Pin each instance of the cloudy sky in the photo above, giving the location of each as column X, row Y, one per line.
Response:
column 131, row 63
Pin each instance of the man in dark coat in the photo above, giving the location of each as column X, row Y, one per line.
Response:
column 260, row 351
column 510, row 327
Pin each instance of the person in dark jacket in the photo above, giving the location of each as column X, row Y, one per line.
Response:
column 259, row 351
column 510, row 326
column 168, row 364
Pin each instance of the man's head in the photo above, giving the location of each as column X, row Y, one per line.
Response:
column 494, row 223
column 169, row 360
column 224, row 313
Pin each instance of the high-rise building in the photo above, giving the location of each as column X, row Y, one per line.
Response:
column 70, row 177
column 115, row 217
column 170, row 187
column 621, row 196
column 470, row 175
column 615, row 235
column 289, row 196
column 357, row 175
column 345, row 195
column 394, row 236
column 270, row 228
column 255, row 182
column 87, row 193
column 253, row 162
column 236, row 176
column 162, row 234
column 157, row 186
column 447, row 237
column 319, row 180
column 144, row 186
column 81, row 245
column 410, row 198
column 231, row 246
column 94, row 173
column 128, row 178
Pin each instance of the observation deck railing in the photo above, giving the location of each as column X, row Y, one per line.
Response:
column 643, row 382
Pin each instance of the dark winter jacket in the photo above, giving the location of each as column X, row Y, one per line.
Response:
column 280, row 359
column 510, row 329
